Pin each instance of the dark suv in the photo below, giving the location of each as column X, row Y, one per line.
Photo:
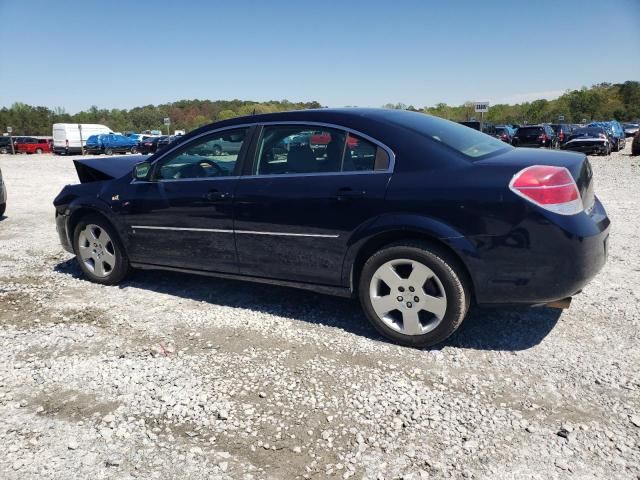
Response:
column 5, row 145
column 535, row 136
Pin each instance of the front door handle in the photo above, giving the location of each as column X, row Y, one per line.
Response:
column 349, row 193
column 216, row 195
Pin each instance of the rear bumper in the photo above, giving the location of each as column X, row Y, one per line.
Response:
column 541, row 261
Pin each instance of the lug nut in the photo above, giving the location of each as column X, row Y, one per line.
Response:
column 409, row 304
column 401, row 289
column 400, row 299
column 411, row 289
column 416, row 299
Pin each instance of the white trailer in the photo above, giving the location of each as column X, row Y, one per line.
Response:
column 66, row 136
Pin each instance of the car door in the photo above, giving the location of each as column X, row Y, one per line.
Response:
column 297, row 209
column 182, row 215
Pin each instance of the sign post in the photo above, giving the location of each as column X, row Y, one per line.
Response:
column 81, row 145
column 9, row 130
column 167, row 122
column 481, row 108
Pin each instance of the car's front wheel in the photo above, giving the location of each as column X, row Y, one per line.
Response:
column 99, row 251
column 414, row 293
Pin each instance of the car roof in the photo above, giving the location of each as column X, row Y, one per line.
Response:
column 365, row 120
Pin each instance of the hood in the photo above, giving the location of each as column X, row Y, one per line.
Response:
column 97, row 169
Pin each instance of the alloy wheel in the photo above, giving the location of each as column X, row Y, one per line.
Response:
column 408, row 296
column 97, row 250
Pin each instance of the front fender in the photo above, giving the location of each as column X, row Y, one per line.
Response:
column 411, row 225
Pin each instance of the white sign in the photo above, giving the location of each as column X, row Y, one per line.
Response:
column 9, row 129
column 482, row 107
column 167, row 121
column 561, row 118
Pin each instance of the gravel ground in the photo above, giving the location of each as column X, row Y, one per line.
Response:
column 175, row 376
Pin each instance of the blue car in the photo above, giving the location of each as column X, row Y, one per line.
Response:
column 111, row 143
column 615, row 132
column 416, row 216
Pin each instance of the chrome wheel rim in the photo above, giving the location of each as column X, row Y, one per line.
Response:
column 408, row 296
column 97, row 251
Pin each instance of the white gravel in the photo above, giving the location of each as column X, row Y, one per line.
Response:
column 174, row 376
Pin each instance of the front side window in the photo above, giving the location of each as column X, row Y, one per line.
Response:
column 301, row 149
column 212, row 156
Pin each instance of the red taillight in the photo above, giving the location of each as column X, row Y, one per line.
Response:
column 552, row 188
column 561, row 136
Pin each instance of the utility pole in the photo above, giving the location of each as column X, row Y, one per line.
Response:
column 9, row 130
column 81, row 145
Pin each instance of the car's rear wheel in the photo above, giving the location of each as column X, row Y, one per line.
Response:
column 134, row 150
column 108, row 151
column 3, row 150
column 38, row 151
column 99, row 251
column 414, row 293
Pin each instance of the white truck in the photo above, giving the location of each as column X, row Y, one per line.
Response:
column 66, row 136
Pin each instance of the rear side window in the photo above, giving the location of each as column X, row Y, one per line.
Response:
column 300, row 149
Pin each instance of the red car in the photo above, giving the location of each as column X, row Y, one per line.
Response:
column 320, row 138
column 32, row 145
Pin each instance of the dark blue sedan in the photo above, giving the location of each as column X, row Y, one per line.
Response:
column 417, row 216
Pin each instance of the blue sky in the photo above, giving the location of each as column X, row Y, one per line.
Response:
column 122, row 54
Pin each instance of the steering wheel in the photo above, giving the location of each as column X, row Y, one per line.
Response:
column 219, row 170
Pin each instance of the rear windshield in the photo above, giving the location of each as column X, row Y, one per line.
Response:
column 467, row 141
column 529, row 130
column 591, row 132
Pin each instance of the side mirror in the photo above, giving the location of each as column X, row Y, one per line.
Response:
column 141, row 170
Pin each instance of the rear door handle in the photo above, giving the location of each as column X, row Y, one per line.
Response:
column 349, row 193
column 216, row 196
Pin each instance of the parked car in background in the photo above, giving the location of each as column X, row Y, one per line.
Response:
column 33, row 145
column 138, row 137
column 562, row 131
column 615, row 132
column 588, row 140
column 3, row 196
column 150, row 145
column 167, row 140
column 635, row 144
column 5, row 144
column 630, row 129
column 474, row 125
column 110, row 143
column 504, row 134
column 535, row 136
column 66, row 136
column 423, row 218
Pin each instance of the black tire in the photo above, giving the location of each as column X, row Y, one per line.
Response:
column 121, row 268
column 3, row 150
column 450, row 274
column 108, row 151
column 134, row 150
column 3, row 208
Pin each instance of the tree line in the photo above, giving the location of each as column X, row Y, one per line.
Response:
column 603, row 101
